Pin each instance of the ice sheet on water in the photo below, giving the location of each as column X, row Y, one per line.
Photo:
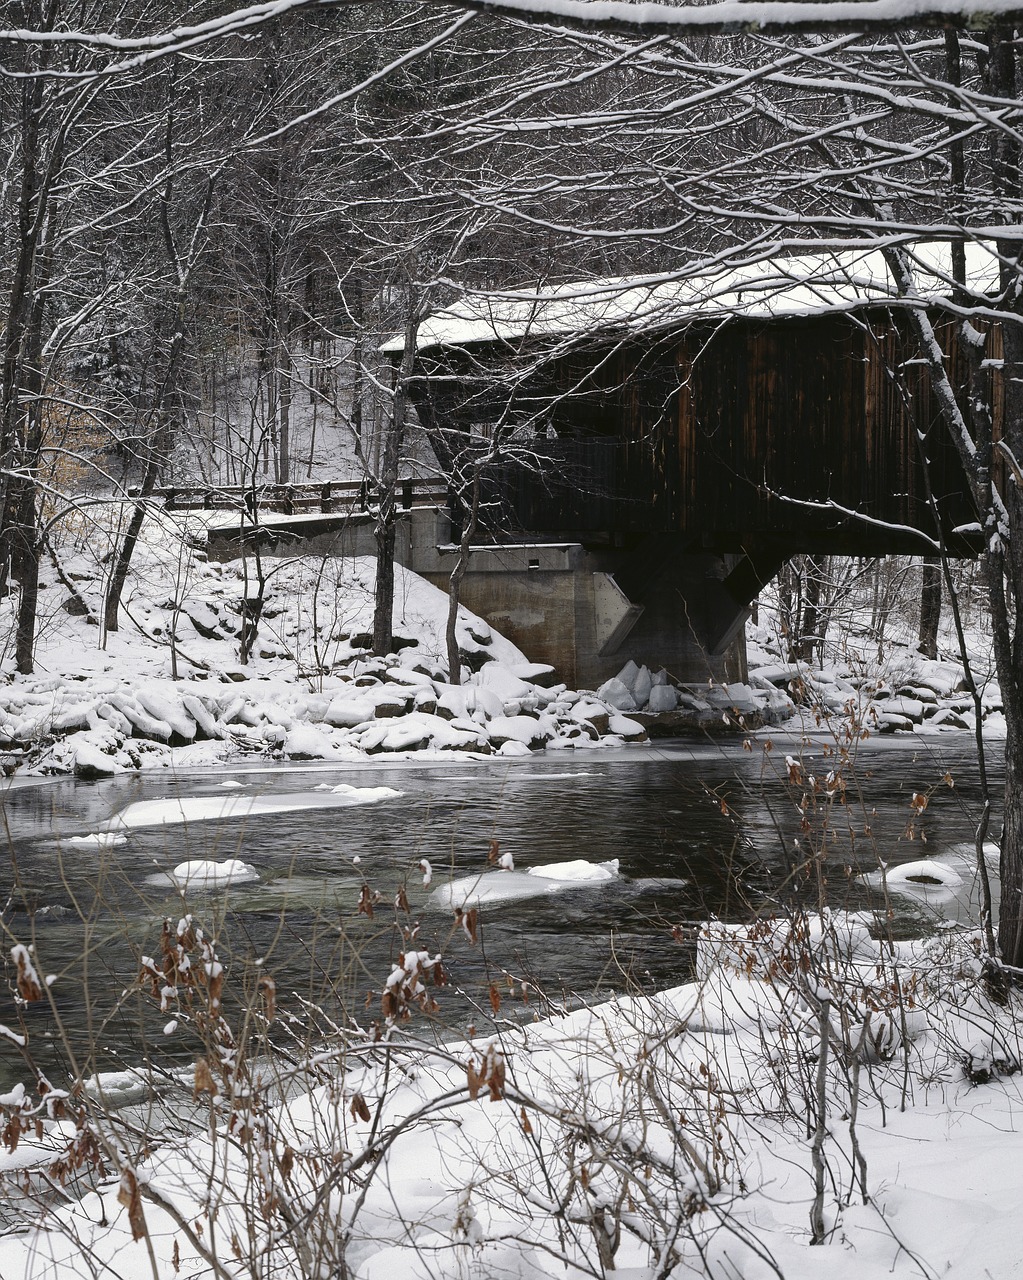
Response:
column 513, row 886
column 175, row 809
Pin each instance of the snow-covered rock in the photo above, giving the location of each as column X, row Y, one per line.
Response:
column 617, row 695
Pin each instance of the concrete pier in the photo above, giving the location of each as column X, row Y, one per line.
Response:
column 582, row 608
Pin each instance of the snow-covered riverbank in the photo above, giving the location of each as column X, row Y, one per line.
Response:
column 808, row 1084
column 168, row 687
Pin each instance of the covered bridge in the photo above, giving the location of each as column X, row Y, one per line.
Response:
column 685, row 437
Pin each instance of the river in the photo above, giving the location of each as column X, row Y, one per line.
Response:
column 699, row 828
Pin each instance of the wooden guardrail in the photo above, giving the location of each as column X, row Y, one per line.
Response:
column 334, row 496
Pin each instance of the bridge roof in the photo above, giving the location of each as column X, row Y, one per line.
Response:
column 770, row 288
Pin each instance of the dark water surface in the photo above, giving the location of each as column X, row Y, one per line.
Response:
column 698, row 828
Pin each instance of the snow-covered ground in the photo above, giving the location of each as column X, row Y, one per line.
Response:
column 688, row 1133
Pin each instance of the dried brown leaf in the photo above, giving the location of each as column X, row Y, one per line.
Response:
column 130, row 1197
column 204, row 1082
column 469, row 921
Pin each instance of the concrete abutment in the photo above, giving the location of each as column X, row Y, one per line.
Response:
column 583, row 609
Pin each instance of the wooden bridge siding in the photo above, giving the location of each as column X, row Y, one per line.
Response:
column 806, row 409
column 697, row 432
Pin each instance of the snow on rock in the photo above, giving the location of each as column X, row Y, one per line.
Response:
column 201, row 873
column 577, row 870
column 630, row 730
column 418, row 731
column 168, row 710
column 308, row 742
column 529, row 731
column 512, row 886
column 921, row 877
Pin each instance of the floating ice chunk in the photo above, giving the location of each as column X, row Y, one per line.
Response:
column 158, row 813
column 97, row 840
column 512, row 886
column 233, row 784
column 203, row 874
column 364, row 795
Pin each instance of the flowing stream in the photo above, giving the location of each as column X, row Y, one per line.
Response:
column 697, row 828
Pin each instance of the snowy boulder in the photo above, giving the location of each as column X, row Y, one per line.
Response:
column 663, row 697
column 617, row 695
column 168, row 710
column 203, row 874
column 375, row 702
column 778, row 674
column 949, row 718
column 307, row 742
column 509, row 688
column 348, row 710
column 641, row 687
column 206, row 725
column 143, row 724
column 538, row 673
column 468, row 700
column 737, row 698
column 889, row 723
column 524, row 729
column 630, row 730
column 204, row 619
column 919, row 692
column 588, row 711
column 93, row 759
column 417, row 731
column 910, row 708
column 81, row 715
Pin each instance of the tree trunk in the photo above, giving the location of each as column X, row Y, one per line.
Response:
column 387, row 512
column 930, row 606
column 28, row 550
column 455, row 582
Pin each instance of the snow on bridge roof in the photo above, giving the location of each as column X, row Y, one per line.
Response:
column 772, row 287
